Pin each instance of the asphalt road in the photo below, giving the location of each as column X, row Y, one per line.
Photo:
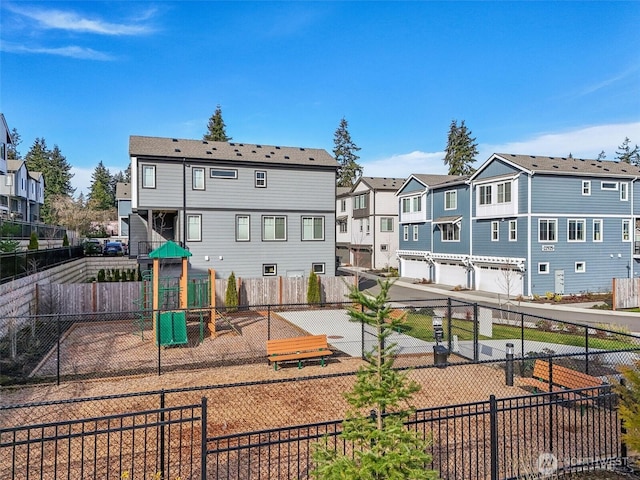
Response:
column 587, row 316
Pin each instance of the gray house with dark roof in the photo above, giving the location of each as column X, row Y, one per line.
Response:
column 256, row 210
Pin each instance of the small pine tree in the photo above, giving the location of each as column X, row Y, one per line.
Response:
column 231, row 295
column 33, row 241
column 116, row 275
column 65, row 240
column 101, row 275
column 313, row 290
column 379, row 406
column 629, row 407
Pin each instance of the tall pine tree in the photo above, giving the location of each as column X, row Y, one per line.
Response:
column 216, row 129
column 12, row 148
column 102, row 190
column 627, row 154
column 461, row 149
column 345, row 153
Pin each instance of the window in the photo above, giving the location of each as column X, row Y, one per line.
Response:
column 360, row 201
column 405, row 233
column 343, row 227
column 416, row 204
column 197, row 175
column 194, row 228
column 547, row 230
column 274, row 228
column 223, row 173
column 450, row 232
column 485, row 195
column 367, row 226
column 597, row 230
column 386, row 224
column 450, row 200
column 626, row 230
column 415, row 233
column 581, row 267
column 361, row 223
column 586, row 187
column 609, row 186
column 343, row 205
column 543, row 268
column 312, row 228
column 495, row 231
column 504, row 192
column 513, row 230
column 148, row 176
column 624, row 191
column 242, row 228
column 384, row 247
column 8, row 180
column 261, row 179
column 317, row 267
column 406, row 205
column 269, row 269
column 576, row 230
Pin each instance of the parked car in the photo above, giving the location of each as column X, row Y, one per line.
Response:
column 113, row 249
column 92, row 246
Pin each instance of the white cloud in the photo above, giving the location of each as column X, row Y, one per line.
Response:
column 71, row 21
column 585, row 142
column 69, row 51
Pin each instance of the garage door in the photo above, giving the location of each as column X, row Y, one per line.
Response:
column 451, row 274
column 362, row 258
column 496, row 279
column 414, row 268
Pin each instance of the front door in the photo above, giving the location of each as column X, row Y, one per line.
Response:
column 559, row 282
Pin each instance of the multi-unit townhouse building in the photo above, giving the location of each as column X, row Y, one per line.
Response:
column 256, row 210
column 367, row 223
column 528, row 225
column 123, row 207
column 5, row 141
column 21, row 192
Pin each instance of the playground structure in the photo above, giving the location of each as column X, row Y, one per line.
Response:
column 171, row 302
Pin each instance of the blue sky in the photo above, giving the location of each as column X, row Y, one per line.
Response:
column 531, row 78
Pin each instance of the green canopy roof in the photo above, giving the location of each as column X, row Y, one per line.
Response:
column 169, row 250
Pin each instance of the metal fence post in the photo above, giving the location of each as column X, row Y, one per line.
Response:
column 509, row 365
column 156, row 319
column 586, row 350
column 493, row 427
column 203, row 440
column 58, row 349
column 162, row 433
column 268, row 322
column 522, row 352
column 476, row 334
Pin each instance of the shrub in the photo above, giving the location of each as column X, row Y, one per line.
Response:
column 549, row 295
column 33, row 241
column 116, row 275
column 629, row 407
column 101, row 275
column 231, row 295
column 313, row 290
column 65, row 240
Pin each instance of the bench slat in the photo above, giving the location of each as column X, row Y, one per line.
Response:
column 563, row 377
column 297, row 348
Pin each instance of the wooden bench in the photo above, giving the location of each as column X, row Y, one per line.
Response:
column 563, row 378
column 298, row 349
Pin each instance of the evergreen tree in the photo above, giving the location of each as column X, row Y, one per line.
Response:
column 313, row 289
column 461, row 149
column 216, row 129
column 602, row 155
column 33, row 242
column 629, row 408
column 102, row 195
column 383, row 447
column 627, row 154
column 345, row 153
column 231, row 295
column 12, row 148
column 65, row 240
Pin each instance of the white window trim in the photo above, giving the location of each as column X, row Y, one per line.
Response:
column 318, row 268
column 312, row 239
column 580, row 270
column 266, row 266
column 584, row 230
column 198, row 236
column 495, row 231
column 586, row 187
column 624, row 192
column 385, row 220
column 144, row 177
column 613, row 186
column 260, row 182
column 223, row 177
column 384, row 247
column 193, row 178
column 453, row 226
column 593, row 233
column 514, row 224
column 415, row 233
column 547, row 269
column 552, row 220
column 405, row 233
column 626, row 223
column 451, row 197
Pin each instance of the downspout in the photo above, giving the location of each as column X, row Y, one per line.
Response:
column 529, row 265
column 184, row 203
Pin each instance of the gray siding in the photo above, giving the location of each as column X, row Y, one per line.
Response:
column 411, row 187
column 494, row 169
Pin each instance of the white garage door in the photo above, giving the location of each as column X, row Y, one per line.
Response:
column 493, row 278
column 451, row 274
column 414, row 268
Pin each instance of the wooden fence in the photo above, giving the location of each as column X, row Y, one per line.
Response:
column 106, row 297
column 626, row 293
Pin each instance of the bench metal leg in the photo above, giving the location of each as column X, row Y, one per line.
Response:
column 299, row 364
column 322, row 361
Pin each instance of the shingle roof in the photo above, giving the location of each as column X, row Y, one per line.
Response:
column 14, row 165
column 574, row 166
column 432, row 180
column 204, row 150
column 383, row 183
column 341, row 191
column 123, row 190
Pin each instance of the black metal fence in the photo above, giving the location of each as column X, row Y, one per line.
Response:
column 498, row 438
column 20, row 264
